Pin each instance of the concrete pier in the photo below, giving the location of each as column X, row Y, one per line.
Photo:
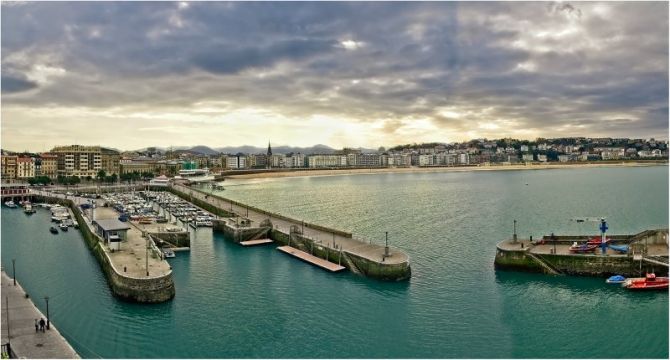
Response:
column 357, row 255
column 24, row 341
column 648, row 252
column 126, row 268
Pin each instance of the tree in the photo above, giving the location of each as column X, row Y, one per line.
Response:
column 89, row 178
column 101, row 175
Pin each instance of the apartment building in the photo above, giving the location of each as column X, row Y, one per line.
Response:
column 318, row 161
column 82, row 161
column 48, row 165
column 9, row 166
column 25, row 168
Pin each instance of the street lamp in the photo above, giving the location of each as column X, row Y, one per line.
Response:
column 46, row 298
column 14, row 270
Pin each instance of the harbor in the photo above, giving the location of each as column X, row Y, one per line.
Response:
column 253, row 301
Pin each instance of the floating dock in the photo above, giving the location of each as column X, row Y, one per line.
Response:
column 256, row 242
column 324, row 264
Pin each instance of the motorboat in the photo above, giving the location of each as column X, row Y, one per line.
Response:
column 622, row 249
column 649, row 282
column 167, row 252
column 583, row 248
column 10, row 204
column 63, row 226
column 616, row 279
column 53, row 230
column 28, row 209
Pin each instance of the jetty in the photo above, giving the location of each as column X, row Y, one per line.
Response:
column 647, row 252
column 133, row 264
column 19, row 338
column 242, row 222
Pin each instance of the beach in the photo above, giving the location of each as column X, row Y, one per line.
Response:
column 413, row 169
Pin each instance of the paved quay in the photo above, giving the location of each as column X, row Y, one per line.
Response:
column 374, row 252
column 131, row 259
column 24, row 341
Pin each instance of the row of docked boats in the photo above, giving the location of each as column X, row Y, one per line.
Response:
column 180, row 209
column 140, row 207
column 649, row 282
column 594, row 243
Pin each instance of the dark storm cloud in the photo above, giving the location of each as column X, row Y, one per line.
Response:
column 542, row 65
column 12, row 84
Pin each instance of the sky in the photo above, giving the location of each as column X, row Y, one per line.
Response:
column 130, row 75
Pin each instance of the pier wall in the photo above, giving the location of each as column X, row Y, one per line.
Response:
column 354, row 263
column 578, row 264
column 141, row 290
column 177, row 239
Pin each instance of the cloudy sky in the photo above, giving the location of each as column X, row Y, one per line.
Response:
column 130, row 75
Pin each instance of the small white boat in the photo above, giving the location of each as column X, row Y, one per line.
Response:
column 63, row 226
column 10, row 204
column 28, row 209
column 167, row 252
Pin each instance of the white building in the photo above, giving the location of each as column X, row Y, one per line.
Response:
column 238, row 161
column 317, row 161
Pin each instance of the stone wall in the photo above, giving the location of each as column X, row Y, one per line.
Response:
column 581, row 265
column 177, row 239
column 354, row 263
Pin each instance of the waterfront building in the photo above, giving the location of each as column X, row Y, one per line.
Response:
column 25, row 168
column 542, row 157
column 82, row 161
column 426, row 160
column 368, row 160
column 527, row 157
column 48, row 165
column 138, row 165
column 563, row 158
column 257, row 161
column 14, row 189
column 464, row 159
column 295, row 160
column 238, row 161
column 277, row 161
column 9, row 166
column 323, row 160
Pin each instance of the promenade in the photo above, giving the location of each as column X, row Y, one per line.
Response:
column 24, row 341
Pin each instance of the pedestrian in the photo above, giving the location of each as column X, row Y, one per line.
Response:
column 37, row 325
column 42, row 323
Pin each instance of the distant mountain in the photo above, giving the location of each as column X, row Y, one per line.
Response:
column 248, row 149
column 202, row 149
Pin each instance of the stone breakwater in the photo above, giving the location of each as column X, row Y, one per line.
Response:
column 648, row 252
column 153, row 289
column 245, row 222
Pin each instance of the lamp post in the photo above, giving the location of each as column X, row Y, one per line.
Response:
column 14, row 270
column 46, row 298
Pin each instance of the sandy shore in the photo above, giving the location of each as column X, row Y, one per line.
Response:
column 332, row 172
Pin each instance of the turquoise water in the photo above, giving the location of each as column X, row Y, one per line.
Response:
column 256, row 302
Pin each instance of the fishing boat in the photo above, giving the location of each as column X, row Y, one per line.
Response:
column 63, row 226
column 583, row 248
column 616, row 279
column 649, row 282
column 53, row 230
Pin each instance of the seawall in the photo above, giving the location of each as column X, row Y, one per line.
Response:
column 141, row 290
column 549, row 258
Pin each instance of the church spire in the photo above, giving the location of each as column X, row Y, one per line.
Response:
column 269, row 149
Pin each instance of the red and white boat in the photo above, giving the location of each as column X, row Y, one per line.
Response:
column 649, row 282
column 583, row 248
